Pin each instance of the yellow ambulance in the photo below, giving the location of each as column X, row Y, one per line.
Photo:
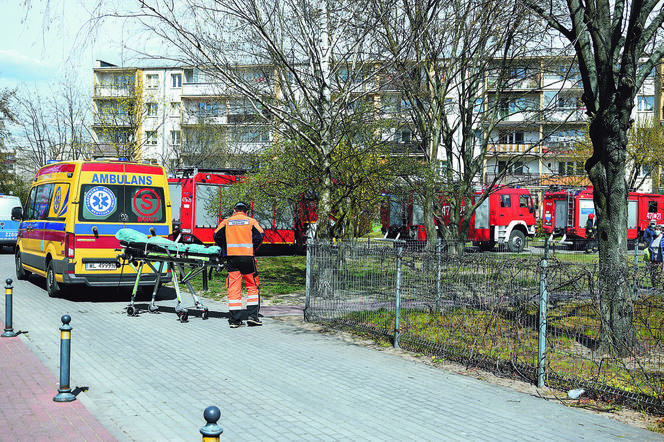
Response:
column 74, row 208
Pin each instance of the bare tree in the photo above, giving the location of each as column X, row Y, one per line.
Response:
column 617, row 45
column 51, row 127
column 302, row 65
column 442, row 54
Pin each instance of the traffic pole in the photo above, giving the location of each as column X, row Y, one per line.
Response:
column 211, row 431
column 9, row 330
column 64, row 392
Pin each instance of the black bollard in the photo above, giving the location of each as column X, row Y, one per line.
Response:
column 64, row 392
column 211, row 431
column 9, row 330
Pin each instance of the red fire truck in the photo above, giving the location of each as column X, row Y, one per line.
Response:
column 194, row 192
column 506, row 217
column 566, row 210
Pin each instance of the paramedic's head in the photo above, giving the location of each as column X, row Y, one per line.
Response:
column 241, row 207
column 652, row 223
column 591, row 216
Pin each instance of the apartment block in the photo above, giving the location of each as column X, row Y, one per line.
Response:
column 179, row 116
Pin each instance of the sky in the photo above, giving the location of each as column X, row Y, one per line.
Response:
column 44, row 39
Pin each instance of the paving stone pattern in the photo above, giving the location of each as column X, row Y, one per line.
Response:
column 150, row 378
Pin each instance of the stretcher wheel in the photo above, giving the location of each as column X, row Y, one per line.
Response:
column 131, row 310
column 184, row 316
column 204, row 314
column 153, row 308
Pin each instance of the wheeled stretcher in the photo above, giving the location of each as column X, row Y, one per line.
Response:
column 160, row 255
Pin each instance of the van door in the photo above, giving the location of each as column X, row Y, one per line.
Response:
column 34, row 225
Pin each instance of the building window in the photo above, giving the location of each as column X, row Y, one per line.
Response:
column 511, row 137
column 515, row 168
column 175, row 137
column 403, row 136
column 175, row 108
column 209, row 109
column 151, row 137
column 151, row 109
column 152, row 81
column 570, row 168
column 176, row 80
column 645, row 103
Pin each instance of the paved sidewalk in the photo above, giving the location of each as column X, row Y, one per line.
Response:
column 27, row 410
column 150, row 378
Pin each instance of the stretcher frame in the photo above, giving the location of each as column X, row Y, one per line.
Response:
column 140, row 255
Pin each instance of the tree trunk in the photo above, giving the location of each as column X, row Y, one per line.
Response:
column 606, row 169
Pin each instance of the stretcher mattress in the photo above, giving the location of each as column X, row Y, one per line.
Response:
column 137, row 240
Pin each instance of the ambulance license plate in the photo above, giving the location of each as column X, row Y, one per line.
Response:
column 100, row 266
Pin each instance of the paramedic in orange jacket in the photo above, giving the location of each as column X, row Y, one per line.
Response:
column 238, row 237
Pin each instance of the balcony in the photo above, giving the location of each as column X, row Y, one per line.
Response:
column 399, row 148
column 515, row 84
column 114, row 91
column 244, row 118
column 193, row 90
column 516, row 148
column 120, row 120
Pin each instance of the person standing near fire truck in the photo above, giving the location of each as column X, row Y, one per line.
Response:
column 591, row 242
column 649, row 233
column 239, row 236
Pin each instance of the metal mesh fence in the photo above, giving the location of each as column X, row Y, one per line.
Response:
column 538, row 315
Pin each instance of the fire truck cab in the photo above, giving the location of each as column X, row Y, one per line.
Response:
column 566, row 210
column 192, row 192
column 506, row 217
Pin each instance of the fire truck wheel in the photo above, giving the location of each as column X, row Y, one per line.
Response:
column 517, row 241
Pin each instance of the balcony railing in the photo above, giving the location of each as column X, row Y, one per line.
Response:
column 114, row 120
column 397, row 148
column 512, row 148
column 114, row 91
column 204, row 90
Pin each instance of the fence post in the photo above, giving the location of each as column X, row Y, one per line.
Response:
column 397, row 300
column 541, row 347
column 307, row 280
column 64, row 392
column 635, row 288
column 439, row 250
column 9, row 328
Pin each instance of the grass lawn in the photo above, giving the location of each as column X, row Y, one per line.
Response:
column 279, row 275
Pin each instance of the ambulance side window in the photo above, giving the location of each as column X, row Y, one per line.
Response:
column 505, row 201
column 652, row 206
column 43, row 201
column 524, row 201
column 30, row 212
column 38, row 202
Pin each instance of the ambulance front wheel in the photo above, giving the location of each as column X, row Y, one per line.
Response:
column 52, row 286
column 21, row 273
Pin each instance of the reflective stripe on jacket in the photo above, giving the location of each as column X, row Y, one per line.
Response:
column 242, row 234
